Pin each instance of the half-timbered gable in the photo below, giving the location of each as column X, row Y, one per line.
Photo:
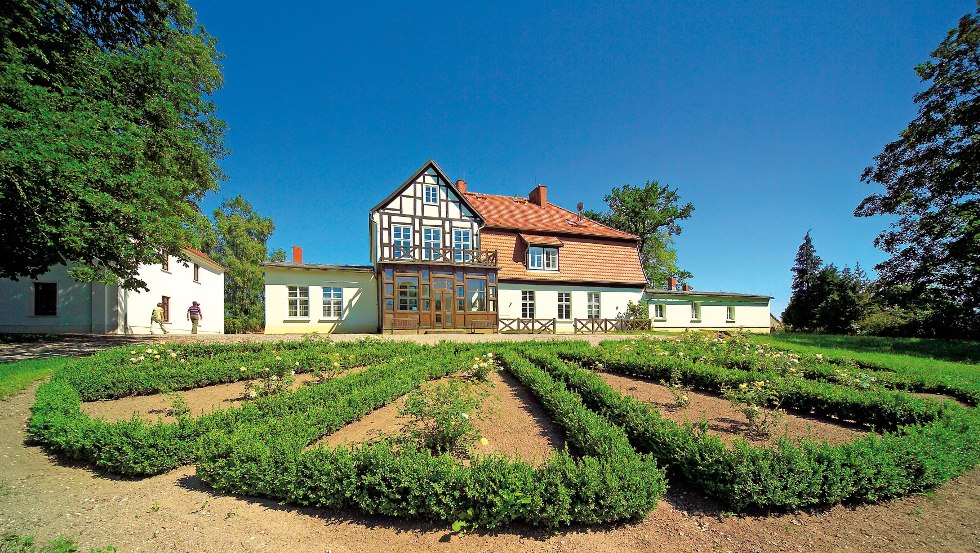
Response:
column 426, row 219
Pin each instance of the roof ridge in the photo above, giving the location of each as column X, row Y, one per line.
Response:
column 518, row 196
column 570, row 212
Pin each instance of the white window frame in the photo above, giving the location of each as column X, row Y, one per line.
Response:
column 729, row 313
column 431, row 239
column 540, row 258
column 333, row 303
column 695, row 311
column 564, row 304
column 535, row 257
column 594, row 305
column 527, row 304
column 426, row 189
column 551, row 259
column 401, row 241
column 298, row 302
column 660, row 311
column 459, row 244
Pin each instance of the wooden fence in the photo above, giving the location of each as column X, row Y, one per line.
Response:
column 592, row 326
column 529, row 326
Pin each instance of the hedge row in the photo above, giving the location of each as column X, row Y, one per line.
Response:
column 788, row 475
column 156, row 368
column 739, row 354
column 880, row 408
column 141, row 448
column 261, row 447
column 609, row 482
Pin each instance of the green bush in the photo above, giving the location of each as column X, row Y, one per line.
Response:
column 262, row 447
column 930, row 442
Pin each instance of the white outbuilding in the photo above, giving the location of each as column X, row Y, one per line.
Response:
column 56, row 303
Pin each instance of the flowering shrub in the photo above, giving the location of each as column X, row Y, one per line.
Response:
column 681, row 392
column 482, row 367
column 442, row 417
column 759, row 402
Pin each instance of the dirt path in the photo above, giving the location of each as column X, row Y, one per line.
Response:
column 514, row 423
column 724, row 420
column 176, row 512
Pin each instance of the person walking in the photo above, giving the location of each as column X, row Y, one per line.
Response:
column 156, row 317
column 194, row 316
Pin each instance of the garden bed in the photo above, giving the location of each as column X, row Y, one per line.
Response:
column 198, row 401
column 725, row 420
column 259, row 448
column 513, row 422
column 618, row 447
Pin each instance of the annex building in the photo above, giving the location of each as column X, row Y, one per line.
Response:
column 445, row 258
column 56, row 303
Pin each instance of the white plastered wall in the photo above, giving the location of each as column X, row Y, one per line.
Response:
column 78, row 305
column 751, row 314
column 97, row 308
column 612, row 301
column 360, row 299
column 178, row 284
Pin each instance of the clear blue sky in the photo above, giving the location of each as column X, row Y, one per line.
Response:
column 763, row 114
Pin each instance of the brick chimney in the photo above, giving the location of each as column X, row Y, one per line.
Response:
column 297, row 254
column 687, row 288
column 672, row 283
column 539, row 195
column 461, row 185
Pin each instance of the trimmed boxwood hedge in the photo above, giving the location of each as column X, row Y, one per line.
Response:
column 260, row 448
column 619, row 448
column 928, row 443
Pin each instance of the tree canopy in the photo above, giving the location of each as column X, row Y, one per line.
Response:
column 108, row 134
column 825, row 298
column 654, row 213
column 931, row 180
column 239, row 243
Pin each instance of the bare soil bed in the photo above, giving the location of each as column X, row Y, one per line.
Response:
column 513, row 422
column 176, row 512
column 724, row 420
column 199, row 400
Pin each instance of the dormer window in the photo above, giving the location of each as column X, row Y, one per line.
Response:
column 542, row 259
column 431, row 194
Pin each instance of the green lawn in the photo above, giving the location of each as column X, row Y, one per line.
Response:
column 15, row 377
column 957, row 351
column 928, row 363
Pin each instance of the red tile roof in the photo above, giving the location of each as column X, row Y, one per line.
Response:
column 538, row 240
column 204, row 256
column 517, row 213
column 582, row 259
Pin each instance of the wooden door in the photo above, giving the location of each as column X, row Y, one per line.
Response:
column 442, row 302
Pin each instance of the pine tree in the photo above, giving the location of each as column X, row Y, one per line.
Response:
column 802, row 305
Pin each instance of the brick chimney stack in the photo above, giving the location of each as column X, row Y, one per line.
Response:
column 297, row 254
column 461, row 185
column 539, row 195
column 687, row 288
column 672, row 283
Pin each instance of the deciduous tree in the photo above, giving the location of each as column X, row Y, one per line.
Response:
column 654, row 213
column 241, row 235
column 931, row 180
column 108, row 134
